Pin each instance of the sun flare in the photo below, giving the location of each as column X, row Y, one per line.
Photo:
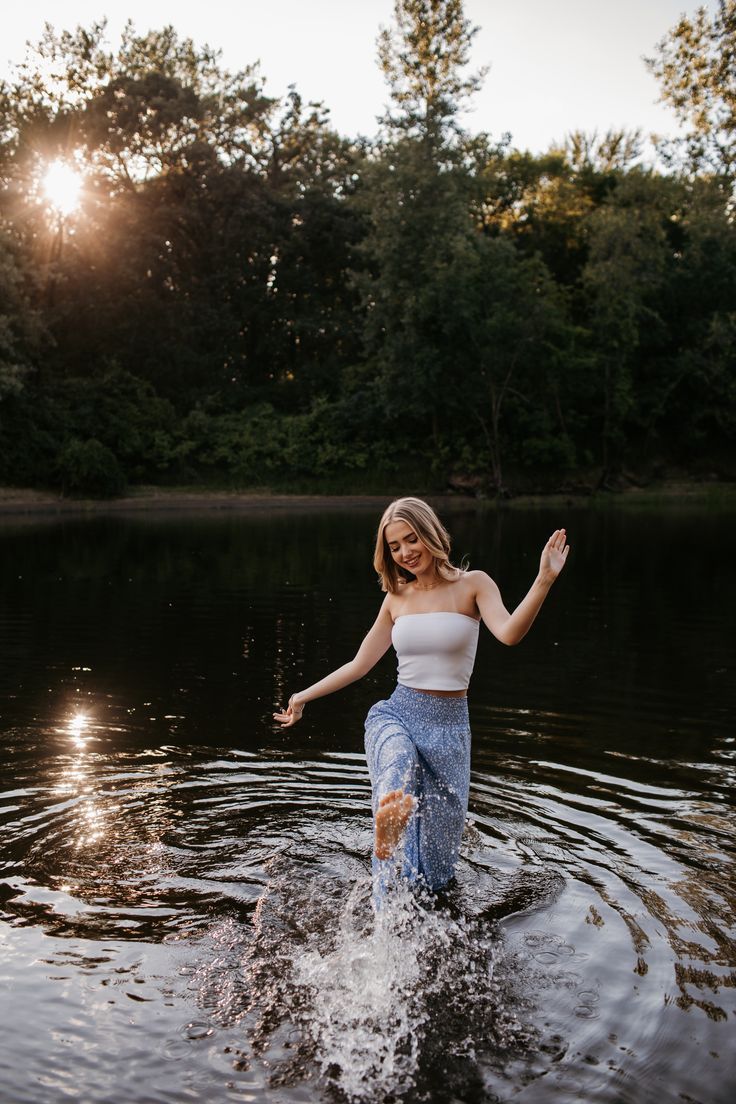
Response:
column 62, row 185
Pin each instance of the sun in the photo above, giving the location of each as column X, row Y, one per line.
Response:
column 62, row 186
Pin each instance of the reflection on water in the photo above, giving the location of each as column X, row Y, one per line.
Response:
column 187, row 890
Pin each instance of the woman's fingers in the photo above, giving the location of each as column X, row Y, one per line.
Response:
column 558, row 540
column 554, row 553
column 286, row 718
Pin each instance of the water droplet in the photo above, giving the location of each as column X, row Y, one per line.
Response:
column 197, row 1029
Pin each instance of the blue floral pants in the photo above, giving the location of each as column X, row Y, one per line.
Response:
column 421, row 743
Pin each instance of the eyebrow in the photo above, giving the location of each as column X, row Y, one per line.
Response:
column 411, row 533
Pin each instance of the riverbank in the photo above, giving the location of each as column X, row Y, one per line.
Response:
column 24, row 501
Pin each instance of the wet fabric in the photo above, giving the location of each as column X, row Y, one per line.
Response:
column 421, row 743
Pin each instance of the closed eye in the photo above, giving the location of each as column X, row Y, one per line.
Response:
column 410, row 539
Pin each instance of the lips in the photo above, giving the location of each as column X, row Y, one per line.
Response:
column 411, row 563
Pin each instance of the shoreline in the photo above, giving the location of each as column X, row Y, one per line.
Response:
column 18, row 501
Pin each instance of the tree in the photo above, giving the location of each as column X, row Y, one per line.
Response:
column 243, row 290
column 311, row 308
column 149, row 124
column 510, row 332
column 690, row 401
column 419, row 222
column 695, row 67
column 206, row 212
column 422, row 58
column 134, row 110
column 416, row 198
column 625, row 270
column 21, row 329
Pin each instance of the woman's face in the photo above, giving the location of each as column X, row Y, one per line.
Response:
column 406, row 548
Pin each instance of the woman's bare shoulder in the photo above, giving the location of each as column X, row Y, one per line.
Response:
column 478, row 581
column 389, row 606
column 475, row 576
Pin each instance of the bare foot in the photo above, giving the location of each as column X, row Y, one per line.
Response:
column 392, row 817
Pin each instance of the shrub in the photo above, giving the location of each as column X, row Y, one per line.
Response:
column 89, row 469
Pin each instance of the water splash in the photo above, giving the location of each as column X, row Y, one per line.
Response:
column 376, row 995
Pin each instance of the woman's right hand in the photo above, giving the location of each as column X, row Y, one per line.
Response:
column 291, row 714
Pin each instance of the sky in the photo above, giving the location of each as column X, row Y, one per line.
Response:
column 555, row 65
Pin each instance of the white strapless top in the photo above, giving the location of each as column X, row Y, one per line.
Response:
column 436, row 651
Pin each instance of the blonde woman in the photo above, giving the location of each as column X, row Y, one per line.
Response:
column 418, row 741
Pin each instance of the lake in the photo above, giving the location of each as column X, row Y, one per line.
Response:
column 185, row 894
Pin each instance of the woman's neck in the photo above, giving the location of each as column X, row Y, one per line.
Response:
column 428, row 580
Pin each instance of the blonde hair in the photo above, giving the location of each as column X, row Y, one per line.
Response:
column 430, row 531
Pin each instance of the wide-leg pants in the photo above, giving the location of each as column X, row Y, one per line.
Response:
column 421, row 743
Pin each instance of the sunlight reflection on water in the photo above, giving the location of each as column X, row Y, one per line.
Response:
column 188, row 890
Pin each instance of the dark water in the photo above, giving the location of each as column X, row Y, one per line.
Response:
column 184, row 894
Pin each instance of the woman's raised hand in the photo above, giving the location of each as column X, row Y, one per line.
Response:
column 554, row 555
column 291, row 714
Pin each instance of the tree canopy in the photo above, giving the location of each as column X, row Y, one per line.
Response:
column 241, row 295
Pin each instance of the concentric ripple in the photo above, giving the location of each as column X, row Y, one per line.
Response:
column 185, row 899
column 242, row 882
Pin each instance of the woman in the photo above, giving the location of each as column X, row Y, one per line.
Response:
column 418, row 742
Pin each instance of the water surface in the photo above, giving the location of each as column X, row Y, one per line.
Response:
column 184, row 890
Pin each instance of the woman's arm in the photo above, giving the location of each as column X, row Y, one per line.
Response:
column 510, row 628
column 375, row 644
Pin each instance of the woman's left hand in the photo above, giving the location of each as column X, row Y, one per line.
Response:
column 554, row 555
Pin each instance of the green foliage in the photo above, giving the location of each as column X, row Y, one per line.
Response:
column 423, row 57
column 419, row 227
column 257, row 446
column 625, row 270
column 510, row 333
column 694, row 65
column 245, row 297
column 417, row 200
column 88, row 469
column 122, row 413
column 125, row 414
column 20, row 325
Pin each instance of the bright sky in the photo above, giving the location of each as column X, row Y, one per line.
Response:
column 556, row 65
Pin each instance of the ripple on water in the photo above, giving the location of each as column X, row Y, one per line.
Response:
column 251, row 876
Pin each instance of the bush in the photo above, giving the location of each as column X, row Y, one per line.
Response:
column 89, row 469
column 125, row 414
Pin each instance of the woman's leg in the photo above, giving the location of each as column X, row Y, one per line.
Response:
column 439, row 733
column 393, row 765
column 420, row 745
column 444, row 753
